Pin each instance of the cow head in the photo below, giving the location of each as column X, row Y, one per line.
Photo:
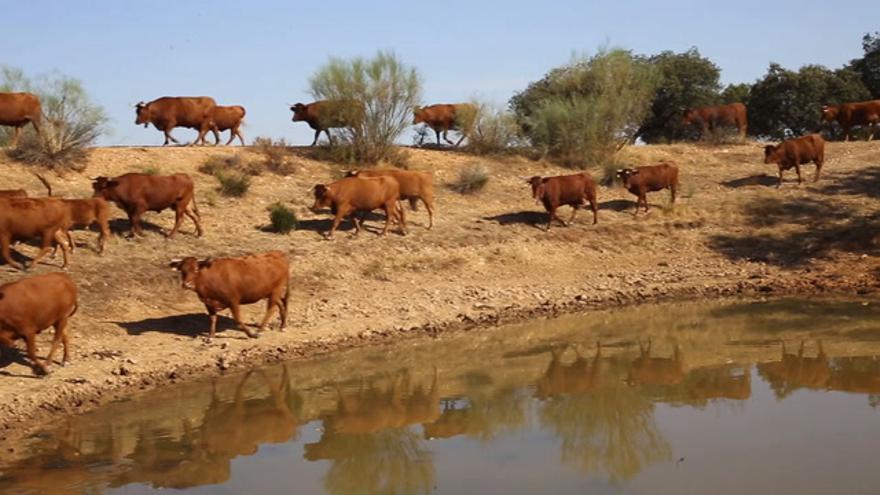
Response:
column 770, row 153
column 624, row 174
column 189, row 269
column 829, row 112
column 104, row 187
column 689, row 116
column 418, row 115
column 299, row 112
column 538, row 187
column 144, row 116
column 323, row 197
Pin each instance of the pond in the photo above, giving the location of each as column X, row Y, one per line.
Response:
column 728, row 397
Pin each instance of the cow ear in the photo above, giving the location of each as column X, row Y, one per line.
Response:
column 112, row 183
column 205, row 263
column 634, row 172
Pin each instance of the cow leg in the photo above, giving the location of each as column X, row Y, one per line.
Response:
column 672, row 188
column 46, row 246
column 169, row 137
column 818, row 163
column 178, row 219
column 446, row 137
column 135, row 219
column 16, row 134
column 797, row 168
column 212, row 317
column 595, row 207
column 779, row 183
column 574, row 211
column 460, row 139
column 429, row 205
column 390, row 213
column 271, row 303
column 5, row 241
column 437, row 132
column 341, row 213
column 31, row 340
column 216, row 133
column 60, row 336
column 282, row 308
column 402, row 212
column 195, row 220
column 234, row 307
column 200, row 139
column 317, row 134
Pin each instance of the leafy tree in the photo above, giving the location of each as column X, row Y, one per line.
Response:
column 685, row 80
column 786, row 103
column 736, row 93
column 584, row 112
column 868, row 66
column 383, row 90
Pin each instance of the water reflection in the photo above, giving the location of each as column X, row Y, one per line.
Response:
column 379, row 430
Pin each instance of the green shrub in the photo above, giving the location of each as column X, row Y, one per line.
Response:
column 275, row 155
column 71, row 122
column 282, row 218
column 233, row 184
column 471, row 179
column 150, row 170
column 377, row 94
column 493, row 131
column 585, row 112
column 217, row 164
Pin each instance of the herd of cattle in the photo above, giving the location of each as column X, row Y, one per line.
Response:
column 31, row 305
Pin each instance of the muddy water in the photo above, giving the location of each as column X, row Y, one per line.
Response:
column 762, row 397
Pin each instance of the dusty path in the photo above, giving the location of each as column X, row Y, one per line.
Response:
column 486, row 261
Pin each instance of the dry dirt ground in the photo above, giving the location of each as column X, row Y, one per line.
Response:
column 486, row 261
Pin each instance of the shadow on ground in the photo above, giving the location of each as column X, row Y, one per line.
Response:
column 752, row 180
column 192, row 325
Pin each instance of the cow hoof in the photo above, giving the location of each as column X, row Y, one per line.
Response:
column 65, row 363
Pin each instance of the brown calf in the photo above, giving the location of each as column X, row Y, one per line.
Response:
column 445, row 117
column 84, row 213
column 712, row 117
column 414, row 186
column 228, row 119
column 642, row 180
column 139, row 193
column 572, row 190
column 796, row 152
column 22, row 219
column 230, row 282
column 355, row 194
column 18, row 110
column 848, row 115
column 29, row 306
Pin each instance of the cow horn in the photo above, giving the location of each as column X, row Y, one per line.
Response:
column 175, row 263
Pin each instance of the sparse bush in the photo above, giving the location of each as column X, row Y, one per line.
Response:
column 471, row 179
column 382, row 91
column 71, row 122
column 494, row 131
column 150, row 170
column 209, row 197
column 282, row 218
column 585, row 112
column 376, row 270
column 217, row 164
column 276, row 157
column 233, row 184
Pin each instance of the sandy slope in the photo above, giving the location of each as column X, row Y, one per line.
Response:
column 486, row 261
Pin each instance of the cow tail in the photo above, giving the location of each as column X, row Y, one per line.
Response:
column 45, row 183
column 75, row 307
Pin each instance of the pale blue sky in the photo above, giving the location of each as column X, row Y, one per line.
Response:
column 260, row 53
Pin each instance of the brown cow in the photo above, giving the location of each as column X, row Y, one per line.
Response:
column 324, row 115
column 228, row 119
column 22, row 219
column 414, row 186
column 138, row 193
column 794, row 153
column 572, row 190
column 355, row 194
column 84, row 213
column 168, row 112
column 445, row 117
column 647, row 370
column 18, row 110
column 712, row 117
column 29, row 306
column 642, row 180
column 230, row 282
column 863, row 113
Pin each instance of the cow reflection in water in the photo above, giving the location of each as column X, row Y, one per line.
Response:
column 859, row 374
column 604, row 425
column 369, row 443
column 203, row 455
column 647, row 370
